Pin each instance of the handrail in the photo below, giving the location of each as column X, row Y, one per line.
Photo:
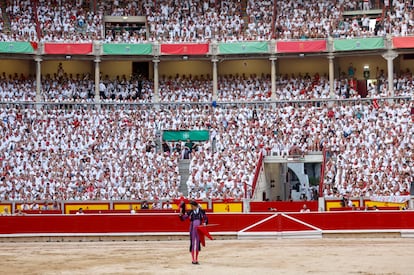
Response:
column 213, row 41
column 268, row 103
column 322, row 176
column 256, row 173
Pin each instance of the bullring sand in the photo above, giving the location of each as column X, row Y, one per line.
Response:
column 321, row 256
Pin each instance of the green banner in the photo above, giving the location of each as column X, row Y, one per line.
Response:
column 16, row 47
column 243, row 47
column 358, row 44
column 127, row 49
column 193, row 135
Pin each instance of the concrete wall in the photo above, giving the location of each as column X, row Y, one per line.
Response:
column 12, row 66
column 275, row 187
column 403, row 64
column 247, row 67
column 70, row 67
column 299, row 170
column 172, row 68
column 359, row 62
column 115, row 68
column 310, row 65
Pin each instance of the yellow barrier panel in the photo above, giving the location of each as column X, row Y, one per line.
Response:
column 338, row 204
column 228, row 207
column 203, row 205
column 69, row 207
column 384, row 204
column 127, row 206
column 333, row 204
column 8, row 206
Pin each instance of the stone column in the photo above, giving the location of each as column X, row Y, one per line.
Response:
column 97, row 79
column 38, row 60
column 331, row 76
column 273, row 76
column 156, row 99
column 390, row 55
column 215, row 78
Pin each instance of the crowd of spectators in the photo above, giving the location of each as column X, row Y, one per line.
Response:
column 22, row 22
column 54, row 153
column 126, row 8
column 371, row 150
column 260, row 18
column 62, row 86
column 78, row 154
column 399, row 18
column 186, row 89
column 61, row 21
column 128, row 32
column 194, row 21
column 244, row 88
column 126, row 89
column 403, row 84
column 15, row 87
column 204, row 20
column 81, row 88
column 310, row 19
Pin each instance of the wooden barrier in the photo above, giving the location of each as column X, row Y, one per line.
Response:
column 335, row 205
column 228, row 222
column 282, row 206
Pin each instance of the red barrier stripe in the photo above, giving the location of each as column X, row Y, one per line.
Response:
column 301, row 46
column 68, row 48
column 185, row 49
column 403, row 42
column 165, row 223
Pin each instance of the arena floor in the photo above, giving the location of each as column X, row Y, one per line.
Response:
column 321, row 256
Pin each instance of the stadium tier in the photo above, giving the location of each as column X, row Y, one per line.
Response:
column 196, row 21
column 79, row 154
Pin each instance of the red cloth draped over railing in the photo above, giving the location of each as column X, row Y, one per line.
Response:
column 322, row 177
column 301, row 46
column 38, row 29
column 68, row 48
column 256, row 173
column 403, row 42
column 185, row 49
column 34, row 44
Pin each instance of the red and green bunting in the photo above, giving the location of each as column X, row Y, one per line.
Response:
column 301, row 46
column 18, row 47
column 403, row 42
column 68, row 48
column 185, row 49
column 127, row 49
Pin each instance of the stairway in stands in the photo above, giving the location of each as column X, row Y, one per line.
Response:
column 184, row 166
column 244, row 15
column 243, row 5
column 5, row 16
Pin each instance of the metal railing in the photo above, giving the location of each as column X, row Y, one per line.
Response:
column 223, row 104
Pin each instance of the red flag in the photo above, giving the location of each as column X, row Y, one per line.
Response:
column 375, row 104
column 203, row 233
column 34, row 45
column 186, row 49
column 403, row 42
column 68, row 48
column 301, row 46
